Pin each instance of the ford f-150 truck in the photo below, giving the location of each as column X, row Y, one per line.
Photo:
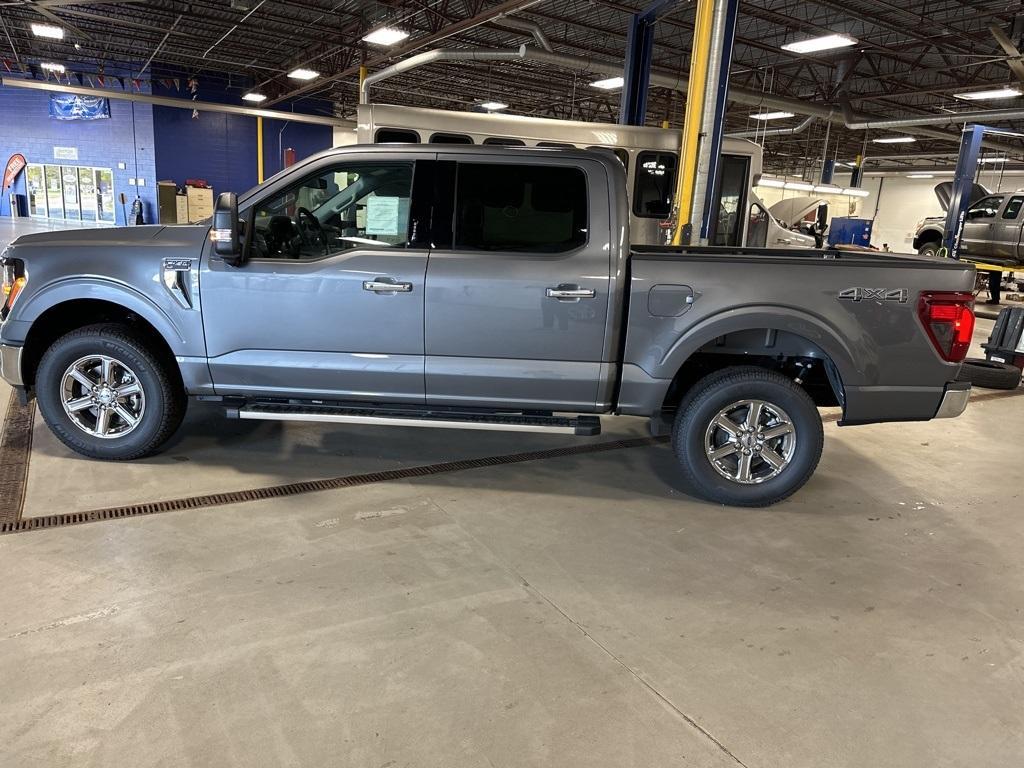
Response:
column 477, row 287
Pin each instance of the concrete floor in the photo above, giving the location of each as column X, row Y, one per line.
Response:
column 581, row 611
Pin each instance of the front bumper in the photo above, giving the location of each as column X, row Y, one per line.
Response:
column 954, row 400
column 10, row 365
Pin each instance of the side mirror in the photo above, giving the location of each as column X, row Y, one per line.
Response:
column 225, row 228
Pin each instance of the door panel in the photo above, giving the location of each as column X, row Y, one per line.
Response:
column 519, row 327
column 979, row 226
column 294, row 328
column 1006, row 229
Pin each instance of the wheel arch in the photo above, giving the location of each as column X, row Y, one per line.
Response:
column 62, row 317
column 927, row 235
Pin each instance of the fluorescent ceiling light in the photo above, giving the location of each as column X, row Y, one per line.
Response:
column 920, row 175
column 1006, row 92
column 256, row 97
column 303, row 74
column 824, row 43
column 51, row 31
column 827, row 189
column 894, row 140
column 777, row 183
column 993, row 159
column 856, row 192
column 802, row 186
column 49, row 66
column 386, row 36
column 493, row 106
column 608, row 84
column 771, row 115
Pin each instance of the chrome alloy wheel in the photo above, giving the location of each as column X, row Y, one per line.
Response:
column 102, row 396
column 750, row 441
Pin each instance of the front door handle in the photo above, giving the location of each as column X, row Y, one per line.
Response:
column 570, row 293
column 386, row 285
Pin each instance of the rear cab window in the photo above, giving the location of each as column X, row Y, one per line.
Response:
column 527, row 208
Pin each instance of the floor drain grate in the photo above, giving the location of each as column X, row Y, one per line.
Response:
column 312, row 486
column 15, row 448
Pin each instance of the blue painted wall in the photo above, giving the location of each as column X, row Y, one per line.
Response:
column 127, row 137
column 221, row 148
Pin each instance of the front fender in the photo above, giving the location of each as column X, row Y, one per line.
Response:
column 106, row 289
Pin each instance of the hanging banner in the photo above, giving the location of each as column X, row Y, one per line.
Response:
column 14, row 167
column 65, row 106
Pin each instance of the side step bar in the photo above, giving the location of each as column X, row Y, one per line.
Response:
column 586, row 426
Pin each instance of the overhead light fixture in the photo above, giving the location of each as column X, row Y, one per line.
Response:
column 827, row 189
column 386, row 36
column 493, row 106
column 51, row 31
column 894, row 140
column 303, row 74
column 609, row 84
column 920, row 175
column 993, row 159
column 801, row 186
column 254, row 97
column 776, row 183
column 772, row 115
column 1006, row 92
column 856, row 192
column 823, row 43
column 49, row 66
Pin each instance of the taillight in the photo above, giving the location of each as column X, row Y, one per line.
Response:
column 948, row 318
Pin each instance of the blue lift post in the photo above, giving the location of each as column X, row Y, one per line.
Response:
column 721, row 97
column 963, row 182
column 637, row 73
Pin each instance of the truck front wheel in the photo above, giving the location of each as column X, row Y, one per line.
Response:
column 747, row 437
column 105, row 395
column 931, row 248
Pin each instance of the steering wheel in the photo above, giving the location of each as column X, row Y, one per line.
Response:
column 310, row 227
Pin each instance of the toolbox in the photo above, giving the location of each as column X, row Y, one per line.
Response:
column 1006, row 343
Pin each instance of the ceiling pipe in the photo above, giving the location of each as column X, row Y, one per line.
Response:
column 951, row 118
column 170, row 101
column 790, row 131
column 526, row 26
column 672, row 82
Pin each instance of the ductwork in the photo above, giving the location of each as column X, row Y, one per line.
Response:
column 848, row 118
column 432, row 57
column 951, row 118
column 526, row 26
column 756, row 134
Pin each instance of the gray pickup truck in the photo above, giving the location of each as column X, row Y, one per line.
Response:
column 993, row 230
column 477, row 287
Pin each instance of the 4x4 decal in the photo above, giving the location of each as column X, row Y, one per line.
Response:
column 899, row 295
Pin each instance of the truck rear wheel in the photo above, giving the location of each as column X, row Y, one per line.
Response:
column 106, row 396
column 747, row 437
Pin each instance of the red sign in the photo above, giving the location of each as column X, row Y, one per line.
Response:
column 14, row 167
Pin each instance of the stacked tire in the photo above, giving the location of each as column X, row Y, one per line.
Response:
column 989, row 374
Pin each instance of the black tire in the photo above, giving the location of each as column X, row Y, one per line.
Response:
column 718, row 391
column 989, row 374
column 928, row 249
column 165, row 399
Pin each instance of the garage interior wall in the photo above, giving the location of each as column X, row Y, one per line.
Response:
column 127, row 137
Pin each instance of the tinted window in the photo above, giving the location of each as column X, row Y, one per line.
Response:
column 501, row 141
column 985, row 208
column 450, row 138
column 555, row 145
column 396, row 136
column 732, row 195
column 757, row 227
column 341, row 207
column 520, row 208
column 654, row 184
column 1013, row 207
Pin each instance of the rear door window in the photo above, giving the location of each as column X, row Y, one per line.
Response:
column 531, row 208
column 1013, row 207
column 654, row 184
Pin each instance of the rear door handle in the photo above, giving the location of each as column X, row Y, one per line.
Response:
column 386, row 285
column 570, row 293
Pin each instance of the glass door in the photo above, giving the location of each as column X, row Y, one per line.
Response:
column 105, row 195
column 54, row 192
column 72, row 208
column 87, row 194
column 36, row 185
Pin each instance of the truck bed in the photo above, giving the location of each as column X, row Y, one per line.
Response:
column 846, row 257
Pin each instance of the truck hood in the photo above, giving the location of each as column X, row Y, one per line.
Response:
column 109, row 238
column 792, row 210
column 944, row 192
